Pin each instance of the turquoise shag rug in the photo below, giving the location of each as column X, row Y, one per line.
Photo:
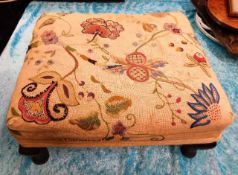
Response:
column 223, row 160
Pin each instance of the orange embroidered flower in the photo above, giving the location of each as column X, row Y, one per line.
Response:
column 105, row 29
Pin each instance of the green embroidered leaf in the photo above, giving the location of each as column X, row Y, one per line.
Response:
column 70, row 48
column 47, row 22
column 91, row 122
column 14, row 112
column 105, row 89
column 116, row 104
column 93, row 79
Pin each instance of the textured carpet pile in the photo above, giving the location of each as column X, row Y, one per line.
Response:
column 136, row 160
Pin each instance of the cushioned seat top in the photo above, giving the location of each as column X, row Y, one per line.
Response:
column 116, row 80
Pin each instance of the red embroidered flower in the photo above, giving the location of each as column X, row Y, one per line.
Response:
column 199, row 58
column 172, row 27
column 105, row 29
column 34, row 108
column 119, row 129
column 49, row 37
column 177, row 31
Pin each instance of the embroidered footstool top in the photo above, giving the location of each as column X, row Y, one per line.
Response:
column 116, row 80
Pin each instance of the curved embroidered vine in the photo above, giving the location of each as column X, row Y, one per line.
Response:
column 198, row 60
column 67, row 34
column 176, row 84
column 107, row 123
column 149, row 40
column 75, row 62
column 165, row 101
column 130, row 117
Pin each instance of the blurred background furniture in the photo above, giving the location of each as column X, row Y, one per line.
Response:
column 214, row 22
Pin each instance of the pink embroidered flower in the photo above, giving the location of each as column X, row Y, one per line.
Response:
column 172, row 27
column 49, row 37
column 199, row 58
column 169, row 26
column 115, row 28
column 105, row 29
column 177, row 31
column 34, row 108
column 119, row 129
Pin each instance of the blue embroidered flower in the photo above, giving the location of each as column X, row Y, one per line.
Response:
column 206, row 106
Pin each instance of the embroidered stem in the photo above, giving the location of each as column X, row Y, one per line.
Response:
column 151, row 38
column 70, row 27
column 174, row 18
column 175, row 83
column 201, row 65
column 95, row 35
column 75, row 63
column 100, row 110
column 115, row 58
column 107, row 123
column 131, row 117
column 170, row 108
column 192, row 43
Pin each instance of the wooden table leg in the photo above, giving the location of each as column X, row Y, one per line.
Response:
column 38, row 155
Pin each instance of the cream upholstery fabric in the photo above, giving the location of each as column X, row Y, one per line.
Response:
column 116, row 80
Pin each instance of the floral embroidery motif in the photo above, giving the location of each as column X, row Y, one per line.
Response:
column 137, row 68
column 49, row 37
column 119, row 129
column 198, row 60
column 206, row 107
column 173, row 28
column 113, row 113
column 103, row 28
column 36, row 108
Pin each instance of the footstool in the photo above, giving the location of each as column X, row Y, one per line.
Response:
column 92, row 80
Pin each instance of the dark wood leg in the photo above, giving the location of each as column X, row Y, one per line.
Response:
column 191, row 150
column 38, row 155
